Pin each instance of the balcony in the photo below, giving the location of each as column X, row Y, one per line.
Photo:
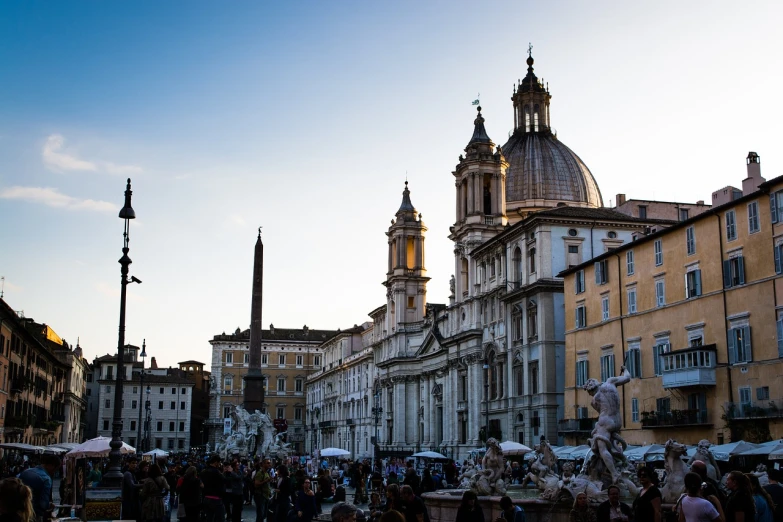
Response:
column 679, row 418
column 689, row 367
column 761, row 409
column 575, row 426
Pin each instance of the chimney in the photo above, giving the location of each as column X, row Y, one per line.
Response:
column 620, row 200
column 271, row 329
column 153, row 364
column 700, row 202
column 754, row 179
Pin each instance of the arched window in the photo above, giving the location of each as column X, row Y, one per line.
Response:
column 228, row 383
column 531, row 260
column 532, row 320
column 517, row 260
column 527, row 118
column 535, row 118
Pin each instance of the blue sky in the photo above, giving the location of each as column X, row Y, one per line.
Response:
column 305, row 117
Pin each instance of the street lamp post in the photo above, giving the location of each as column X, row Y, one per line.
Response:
column 113, row 476
column 143, row 354
column 377, row 411
column 147, row 421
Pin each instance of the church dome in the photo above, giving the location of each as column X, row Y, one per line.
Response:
column 542, row 171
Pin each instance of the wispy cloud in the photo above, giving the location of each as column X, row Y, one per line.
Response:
column 237, row 220
column 58, row 158
column 51, row 197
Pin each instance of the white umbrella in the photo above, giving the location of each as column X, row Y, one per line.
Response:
column 510, row 447
column 97, row 447
column 429, row 455
column 334, row 452
column 157, row 452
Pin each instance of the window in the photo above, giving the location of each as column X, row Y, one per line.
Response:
column 184, row 391
column 532, row 320
column 683, row 214
column 299, row 360
column 642, row 211
column 607, row 366
column 161, row 391
column 745, row 401
column 690, row 240
column 173, row 405
column 753, row 217
column 582, row 373
column 281, row 384
column 159, row 443
column 160, row 405
column 108, row 389
column 519, row 380
column 629, row 268
column 171, row 444
column 280, row 413
column 579, row 281
column 605, row 308
column 182, row 404
column 133, row 405
column 247, row 358
column 133, row 425
column 298, row 414
column 229, row 358
column 633, row 358
column 601, row 272
column 660, row 292
column 264, row 358
column 531, row 257
column 180, row 444
column 739, row 345
column 105, row 425
column 631, row 300
column 173, row 391
column 658, row 247
column 731, row 226
column 634, row 410
column 692, row 284
column 533, row 377
column 171, row 426
column 411, row 301
column 762, row 393
column 135, row 390
column 663, row 406
column 107, row 403
column 734, row 272
column 776, row 205
column 581, row 316
column 317, row 360
column 780, row 335
column 660, row 348
column 573, row 249
column 281, row 359
column 160, row 425
column 298, row 383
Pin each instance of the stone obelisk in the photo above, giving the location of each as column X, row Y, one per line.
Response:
column 254, row 380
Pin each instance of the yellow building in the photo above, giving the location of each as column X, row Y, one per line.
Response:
column 694, row 312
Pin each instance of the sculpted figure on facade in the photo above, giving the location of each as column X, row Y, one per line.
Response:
column 605, row 440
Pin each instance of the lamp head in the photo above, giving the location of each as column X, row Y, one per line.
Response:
column 143, row 349
column 148, row 389
column 127, row 211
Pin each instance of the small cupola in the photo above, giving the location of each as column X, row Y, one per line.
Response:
column 531, row 101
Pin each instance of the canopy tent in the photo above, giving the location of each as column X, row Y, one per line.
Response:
column 647, row 453
column 68, row 446
column 571, row 452
column 510, row 447
column 97, row 447
column 724, row 452
column 430, row 455
column 767, row 448
column 54, row 448
column 157, row 452
column 334, row 452
column 24, row 448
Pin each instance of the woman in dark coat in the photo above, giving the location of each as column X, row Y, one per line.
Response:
column 305, row 503
column 189, row 490
column 283, row 494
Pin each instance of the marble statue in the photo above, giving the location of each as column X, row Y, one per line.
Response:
column 489, row 480
column 452, row 285
column 544, row 472
column 675, row 471
column 761, row 473
column 605, row 440
column 704, row 454
column 243, row 440
column 468, row 470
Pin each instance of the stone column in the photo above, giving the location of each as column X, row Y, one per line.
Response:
column 428, row 416
column 475, row 402
column 416, row 383
column 417, row 262
column 391, row 248
column 478, row 189
column 459, row 202
column 448, row 406
column 399, row 411
column 469, row 186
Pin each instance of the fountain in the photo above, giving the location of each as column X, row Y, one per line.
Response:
column 243, row 439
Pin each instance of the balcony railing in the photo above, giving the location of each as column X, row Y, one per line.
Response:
column 754, row 410
column 667, row 419
column 689, row 367
column 576, row 425
column 489, row 220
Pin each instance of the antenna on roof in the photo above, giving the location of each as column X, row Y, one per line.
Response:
column 2, row 286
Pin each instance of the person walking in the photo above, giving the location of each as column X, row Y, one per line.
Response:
column 305, row 503
column 765, row 507
column 469, row 509
column 647, row 504
column 262, row 489
column 282, row 494
column 740, row 507
column 16, row 501
column 130, row 492
column 153, row 490
column 39, row 480
column 214, row 491
column 234, row 494
column 694, row 507
column 581, row 510
column 189, row 490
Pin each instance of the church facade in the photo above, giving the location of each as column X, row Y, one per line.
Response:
column 491, row 361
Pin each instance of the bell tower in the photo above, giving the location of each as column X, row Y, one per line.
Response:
column 480, row 179
column 406, row 277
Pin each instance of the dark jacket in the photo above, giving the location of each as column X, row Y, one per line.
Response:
column 40, row 483
column 214, row 483
column 603, row 511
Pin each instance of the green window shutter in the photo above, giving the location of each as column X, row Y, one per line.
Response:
column 687, row 286
column 773, row 207
column 779, row 259
column 732, row 347
column 741, row 269
column 780, row 337
column 698, row 282
column 746, row 343
column 597, row 268
column 727, row 274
